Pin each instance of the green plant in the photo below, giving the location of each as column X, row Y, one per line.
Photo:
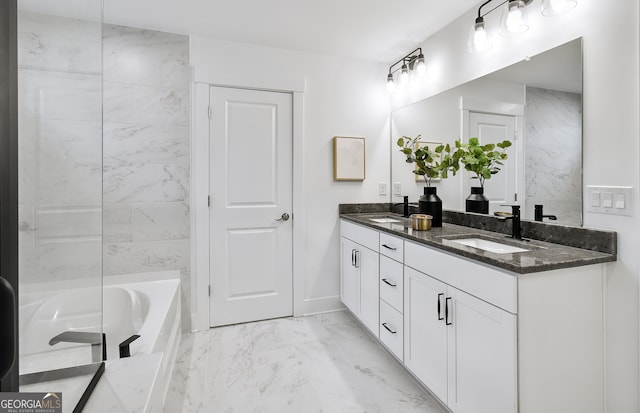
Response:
column 430, row 164
column 481, row 160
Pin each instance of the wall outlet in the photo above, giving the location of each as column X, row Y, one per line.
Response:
column 397, row 189
column 382, row 188
column 610, row 200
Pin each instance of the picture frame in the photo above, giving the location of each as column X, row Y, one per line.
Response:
column 431, row 145
column 349, row 162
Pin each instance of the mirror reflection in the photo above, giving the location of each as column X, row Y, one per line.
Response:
column 537, row 105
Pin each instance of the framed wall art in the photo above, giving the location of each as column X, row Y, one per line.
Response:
column 348, row 158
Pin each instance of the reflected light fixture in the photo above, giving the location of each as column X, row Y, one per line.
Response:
column 413, row 68
column 555, row 7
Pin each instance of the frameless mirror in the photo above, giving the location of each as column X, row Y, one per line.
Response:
column 536, row 104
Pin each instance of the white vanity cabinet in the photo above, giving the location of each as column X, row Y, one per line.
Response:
column 460, row 347
column 359, row 273
column 480, row 338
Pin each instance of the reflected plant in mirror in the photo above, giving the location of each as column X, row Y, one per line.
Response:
column 481, row 160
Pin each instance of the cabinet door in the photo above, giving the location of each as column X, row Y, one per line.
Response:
column 349, row 276
column 482, row 356
column 367, row 263
column 425, row 339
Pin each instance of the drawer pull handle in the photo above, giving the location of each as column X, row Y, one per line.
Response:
column 388, row 283
column 357, row 259
column 389, row 248
column 446, row 311
column 388, row 329
column 440, row 318
column 353, row 258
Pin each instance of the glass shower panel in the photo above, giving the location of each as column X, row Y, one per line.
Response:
column 60, row 195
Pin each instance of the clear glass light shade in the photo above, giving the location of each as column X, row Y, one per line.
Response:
column 479, row 38
column 420, row 67
column 391, row 85
column 404, row 76
column 555, row 7
column 515, row 18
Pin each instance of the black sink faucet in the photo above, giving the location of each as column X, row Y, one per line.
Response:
column 516, row 228
column 539, row 216
column 405, row 206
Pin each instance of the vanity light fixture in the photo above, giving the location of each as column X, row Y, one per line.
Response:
column 413, row 67
column 515, row 20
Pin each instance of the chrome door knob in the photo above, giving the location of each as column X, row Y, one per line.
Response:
column 283, row 217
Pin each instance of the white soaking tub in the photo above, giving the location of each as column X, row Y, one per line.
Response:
column 144, row 304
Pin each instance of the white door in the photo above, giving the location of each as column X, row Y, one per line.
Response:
column 251, row 202
column 491, row 128
column 482, row 357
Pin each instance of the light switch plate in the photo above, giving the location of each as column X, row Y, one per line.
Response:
column 382, row 188
column 397, row 189
column 611, row 200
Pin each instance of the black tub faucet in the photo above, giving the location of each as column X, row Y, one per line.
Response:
column 516, row 228
column 539, row 216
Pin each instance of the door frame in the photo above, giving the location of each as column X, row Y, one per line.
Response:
column 200, row 222
column 492, row 107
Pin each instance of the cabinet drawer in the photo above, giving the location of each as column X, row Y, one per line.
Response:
column 391, row 282
column 392, row 247
column 494, row 286
column 391, row 331
column 362, row 235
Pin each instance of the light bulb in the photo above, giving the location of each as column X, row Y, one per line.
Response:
column 420, row 66
column 479, row 37
column 555, row 7
column 404, row 76
column 515, row 18
column 391, row 86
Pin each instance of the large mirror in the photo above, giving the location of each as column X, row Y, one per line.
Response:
column 537, row 105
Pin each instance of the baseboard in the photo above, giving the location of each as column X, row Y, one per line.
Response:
column 322, row 305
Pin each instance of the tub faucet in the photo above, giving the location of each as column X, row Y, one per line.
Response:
column 86, row 337
column 125, row 346
column 516, row 228
column 538, row 214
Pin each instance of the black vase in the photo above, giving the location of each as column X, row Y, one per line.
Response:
column 430, row 204
column 477, row 202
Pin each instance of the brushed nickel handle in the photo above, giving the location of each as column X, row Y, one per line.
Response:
column 283, row 217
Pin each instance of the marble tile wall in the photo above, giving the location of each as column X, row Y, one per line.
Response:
column 60, row 149
column 146, row 153
column 553, row 154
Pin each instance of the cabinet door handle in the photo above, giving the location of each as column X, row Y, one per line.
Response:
column 440, row 318
column 389, row 248
column 353, row 258
column 388, row 329
column 357, row 259
column 384, row 280
column 446, row 311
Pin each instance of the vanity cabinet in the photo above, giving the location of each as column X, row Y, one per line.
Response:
column 359, row 273
column 480, row 338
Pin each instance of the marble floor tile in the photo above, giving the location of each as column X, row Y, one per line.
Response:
column 324, row 363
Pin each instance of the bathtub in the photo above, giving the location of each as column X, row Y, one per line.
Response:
column 144, row 304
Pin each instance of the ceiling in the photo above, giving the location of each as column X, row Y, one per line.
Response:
column 376, row 30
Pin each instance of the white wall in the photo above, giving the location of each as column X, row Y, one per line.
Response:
column 342, row 97
column 611, row 135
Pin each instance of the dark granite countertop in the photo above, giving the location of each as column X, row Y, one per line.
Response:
column 541, row 256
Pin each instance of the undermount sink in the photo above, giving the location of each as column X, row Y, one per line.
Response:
column 384, row 220
column 491, row 246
